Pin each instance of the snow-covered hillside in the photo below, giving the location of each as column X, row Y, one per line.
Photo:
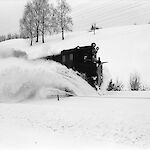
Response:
column 85, row 121
column 126, row 49
column 109, row 13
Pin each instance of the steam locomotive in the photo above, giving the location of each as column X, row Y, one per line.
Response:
column 84, row 60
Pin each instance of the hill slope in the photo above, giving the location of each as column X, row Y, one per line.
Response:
column 125, row 48
column 108, row 13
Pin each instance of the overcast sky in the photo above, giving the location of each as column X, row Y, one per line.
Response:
column 12, row 10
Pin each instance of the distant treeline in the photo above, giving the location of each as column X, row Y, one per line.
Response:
column 11, row 36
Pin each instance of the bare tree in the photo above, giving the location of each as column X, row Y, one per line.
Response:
column 63, row 19
column 9, row 36
column 40, row 17
column 46, row 15
column 53, row 26
column 27, row 22
column 94, row 28
column 37, row 16
column 2, row 38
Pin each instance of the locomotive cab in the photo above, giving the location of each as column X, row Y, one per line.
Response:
column 84, row 60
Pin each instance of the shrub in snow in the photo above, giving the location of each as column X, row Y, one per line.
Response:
column 145, row 88
column 117, row 86
column 135, row 82
column 110, row 86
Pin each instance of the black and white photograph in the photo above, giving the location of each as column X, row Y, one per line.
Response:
column 74, row 75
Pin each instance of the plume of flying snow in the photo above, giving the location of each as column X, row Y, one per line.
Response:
column 21, row 79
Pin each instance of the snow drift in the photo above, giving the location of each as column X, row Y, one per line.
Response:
column 126, row 49
column 11, row 52
column 21, row 79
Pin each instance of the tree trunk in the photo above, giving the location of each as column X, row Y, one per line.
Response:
column 37, row 34
column 31, row 42
column 43, row 37
column 43, row 32
column 62, row 33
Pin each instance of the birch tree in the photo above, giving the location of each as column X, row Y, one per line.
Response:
column 37, row 16
column 27, row 25
column 64, row 21
column 46, row 15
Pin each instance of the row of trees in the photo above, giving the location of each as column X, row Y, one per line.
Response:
column 40, row 18
column 9, row 36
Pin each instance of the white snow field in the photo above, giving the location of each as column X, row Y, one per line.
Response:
column 31, row 117
column 76, row 123
column 126, row 49
column 109, row 13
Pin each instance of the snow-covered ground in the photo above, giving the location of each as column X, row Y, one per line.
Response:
column 126, row 49
column 76, row 123
column 31, row 117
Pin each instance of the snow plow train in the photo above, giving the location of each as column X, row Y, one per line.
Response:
column 84, row 60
